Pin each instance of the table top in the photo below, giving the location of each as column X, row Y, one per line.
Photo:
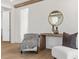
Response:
column 52, row 34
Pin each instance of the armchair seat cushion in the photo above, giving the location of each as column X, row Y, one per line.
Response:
column 33, row 49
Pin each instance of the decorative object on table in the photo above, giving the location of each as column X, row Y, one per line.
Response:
column 55, row 18
column 30, row 42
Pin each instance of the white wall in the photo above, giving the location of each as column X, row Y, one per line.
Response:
column 38, row 18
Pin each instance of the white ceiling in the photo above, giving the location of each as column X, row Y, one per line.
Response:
column 5, row 4
column 19, row 1
column 12, row 2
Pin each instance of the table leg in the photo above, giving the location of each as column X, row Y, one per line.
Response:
column 42, row 42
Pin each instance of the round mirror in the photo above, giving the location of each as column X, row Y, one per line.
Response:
column 55, row 18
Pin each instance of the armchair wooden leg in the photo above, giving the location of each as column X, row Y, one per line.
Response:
column 36, row 52
column 54, row 58
column 21, row 52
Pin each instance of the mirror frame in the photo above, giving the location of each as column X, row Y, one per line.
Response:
column 51, row 14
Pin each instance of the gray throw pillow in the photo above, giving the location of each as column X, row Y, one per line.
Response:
column 69, row 40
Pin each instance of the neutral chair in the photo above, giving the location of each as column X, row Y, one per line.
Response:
column 30, row 42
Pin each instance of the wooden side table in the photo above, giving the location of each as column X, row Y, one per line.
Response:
column 43, row 38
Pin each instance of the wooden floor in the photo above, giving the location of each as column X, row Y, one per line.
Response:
column 12, row 51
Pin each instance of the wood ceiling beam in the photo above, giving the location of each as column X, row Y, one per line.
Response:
column 26, row 3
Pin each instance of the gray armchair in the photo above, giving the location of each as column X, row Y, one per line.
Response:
column 30, row 43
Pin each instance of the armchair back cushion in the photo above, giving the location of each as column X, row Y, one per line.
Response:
column 30, row 40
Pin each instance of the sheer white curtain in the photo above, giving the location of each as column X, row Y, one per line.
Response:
column 24, row 22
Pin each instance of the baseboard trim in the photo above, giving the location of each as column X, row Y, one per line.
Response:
column 5, row 41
